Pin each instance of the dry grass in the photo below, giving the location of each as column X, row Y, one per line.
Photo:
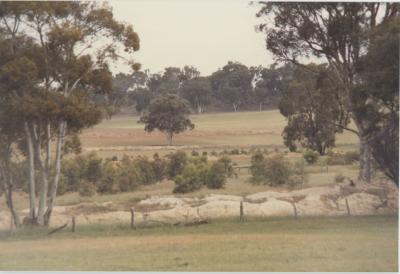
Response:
column 310, row 244
column 122, row 134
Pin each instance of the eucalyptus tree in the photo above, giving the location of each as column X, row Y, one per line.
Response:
column 74, row 45
column 337, row 32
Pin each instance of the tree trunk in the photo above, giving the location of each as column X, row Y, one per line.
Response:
column 53, row 192
column 260, row 106
column 365, row 159
column 43, row 185
column 199, row 109
column 235, row 107
column 8, row 189
column 31, row 161
column 169, row 138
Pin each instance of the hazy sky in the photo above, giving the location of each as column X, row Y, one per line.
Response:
column 203, row 33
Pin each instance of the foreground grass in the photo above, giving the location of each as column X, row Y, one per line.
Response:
column 278, row 244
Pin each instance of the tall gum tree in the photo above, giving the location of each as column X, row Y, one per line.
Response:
column 75, row 42
column 336, row 32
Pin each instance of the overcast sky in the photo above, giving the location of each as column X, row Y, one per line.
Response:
column 203, row 33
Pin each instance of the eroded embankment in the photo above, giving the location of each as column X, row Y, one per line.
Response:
column 363, row 199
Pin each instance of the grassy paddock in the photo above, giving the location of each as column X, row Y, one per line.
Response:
column 274, row 244
column 212, row 130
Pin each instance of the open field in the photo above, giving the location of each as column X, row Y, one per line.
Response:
column 276, row 244
column 213, row 131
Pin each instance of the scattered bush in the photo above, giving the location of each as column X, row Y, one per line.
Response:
column 310, row 156
column 190, row 180
column 109, row 181
column 176, row 163
column 205, row 153
column 195, row 153
column 275, row 170
column 214, row 153
column 159, row 167
column 216, row 176
column 347, row 158
column 86, row 189
column 235, row 151
column 228, row 165
column 339, row 178
column 257, row 167
column 278, row 170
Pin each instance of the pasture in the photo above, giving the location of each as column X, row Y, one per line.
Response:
column 275, row 244
column 213, row 131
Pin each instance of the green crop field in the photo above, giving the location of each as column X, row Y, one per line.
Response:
column 286, row 244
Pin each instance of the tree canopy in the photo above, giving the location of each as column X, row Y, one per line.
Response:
column 169, row 114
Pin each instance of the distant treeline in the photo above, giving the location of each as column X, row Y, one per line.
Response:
column 231, row 88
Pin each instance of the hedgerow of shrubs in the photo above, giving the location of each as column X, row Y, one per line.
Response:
column 275, row 170
column 198, row 174
column 89, row 174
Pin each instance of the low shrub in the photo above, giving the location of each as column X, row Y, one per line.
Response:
column 339, row 178
column 235, row 151
column 216, row 176
column 176, row 163
column 214, row 153
column 228, row 165
column 338, row 158
column 195, row 153
column 257, row 168
column 109, row 181
column 189, row 181
column 86, row 189
column 310, row 156
column 276, row 171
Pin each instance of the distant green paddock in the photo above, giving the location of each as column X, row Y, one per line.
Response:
column 275, row 244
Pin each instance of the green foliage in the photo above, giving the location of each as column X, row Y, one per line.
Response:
column 176, row 163
column 312, row 107
column 257, row 167
column 216, row 176
column 227, row 164
column 197, row 91
column 189, row 181
column 310, row 156
column 127, row 175
column 167, row 113
column 81, row 167
column 276, row 171
column 159, row 167
column 109, row 181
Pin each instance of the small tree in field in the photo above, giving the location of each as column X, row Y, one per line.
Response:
column 167, row 113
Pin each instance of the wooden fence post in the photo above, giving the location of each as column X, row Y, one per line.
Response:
column 348, row 207
column 133, row 218
column 73, row 224
column 241, row 212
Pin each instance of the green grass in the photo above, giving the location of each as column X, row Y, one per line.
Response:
column 276, row 244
